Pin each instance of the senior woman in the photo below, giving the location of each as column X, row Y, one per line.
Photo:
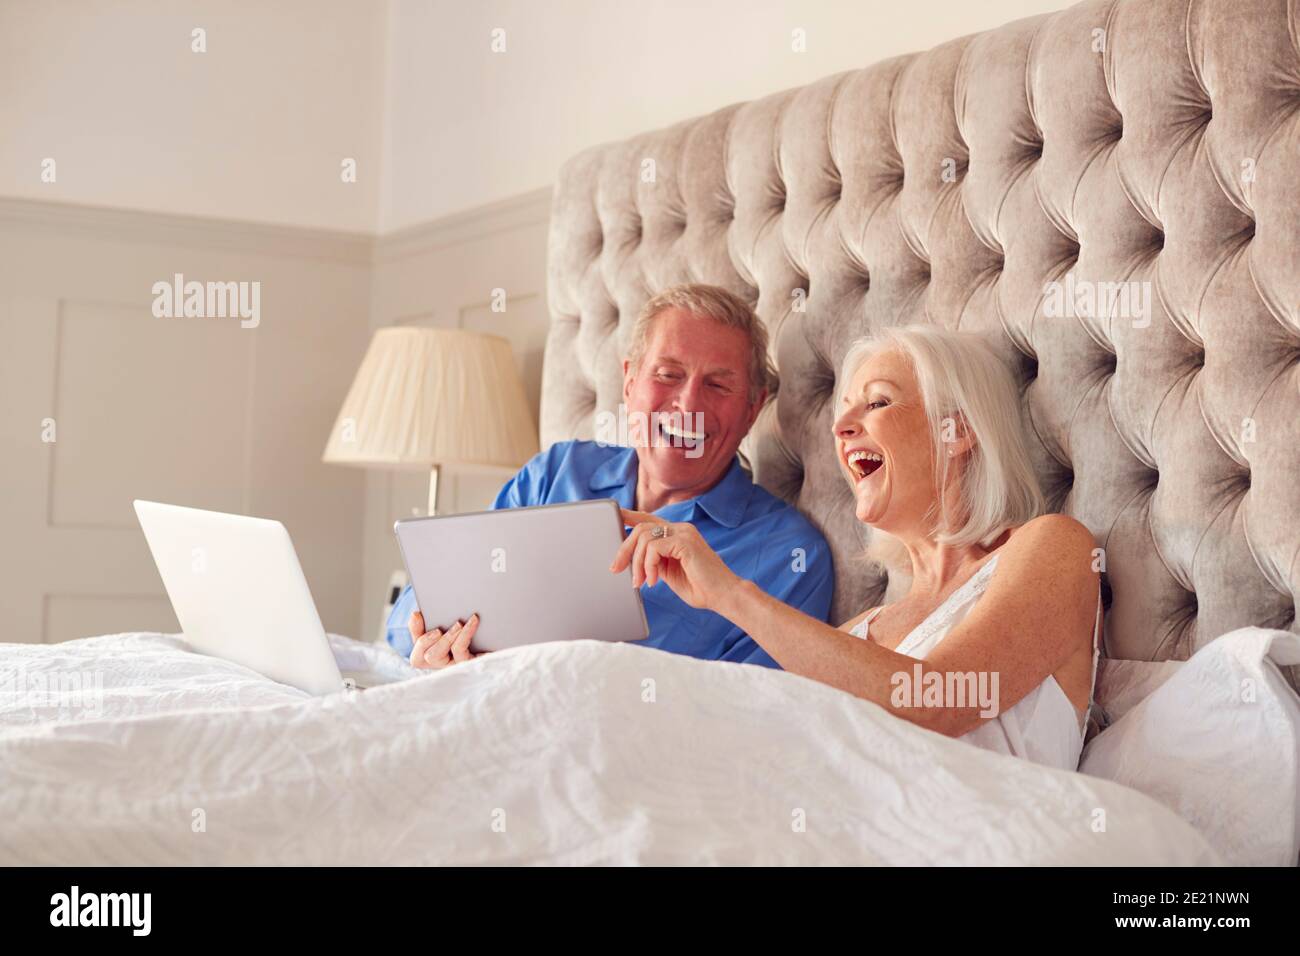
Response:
column 930, row 440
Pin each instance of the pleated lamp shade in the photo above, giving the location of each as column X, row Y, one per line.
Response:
column 429, row 397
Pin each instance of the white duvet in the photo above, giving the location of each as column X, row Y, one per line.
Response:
column 561, row 753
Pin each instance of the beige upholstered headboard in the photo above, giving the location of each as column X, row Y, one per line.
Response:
column 1154, row 142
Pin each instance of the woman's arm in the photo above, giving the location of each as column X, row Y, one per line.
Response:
column 824, row 653
column 1025, row 626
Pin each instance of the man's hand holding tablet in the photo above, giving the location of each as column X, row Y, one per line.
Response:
column 532, row 575
column 437, row 649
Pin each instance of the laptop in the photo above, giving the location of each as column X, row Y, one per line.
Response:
column 532, row 575
column 239, row 593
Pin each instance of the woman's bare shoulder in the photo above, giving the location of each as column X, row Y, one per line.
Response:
column 1056, row 531
column 1051, row 549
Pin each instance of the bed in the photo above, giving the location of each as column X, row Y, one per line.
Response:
column 1150, row 143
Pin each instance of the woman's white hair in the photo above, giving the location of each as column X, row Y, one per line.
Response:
column 959, row 374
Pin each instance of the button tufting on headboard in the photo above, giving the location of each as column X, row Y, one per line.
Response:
column 1142, row 149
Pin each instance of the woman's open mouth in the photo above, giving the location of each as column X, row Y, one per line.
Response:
column 864, row 463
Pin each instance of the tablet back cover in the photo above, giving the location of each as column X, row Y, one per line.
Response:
column 532, row 574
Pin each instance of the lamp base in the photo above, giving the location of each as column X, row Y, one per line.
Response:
column 433, row 491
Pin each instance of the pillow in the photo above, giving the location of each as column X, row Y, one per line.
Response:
column 1218, row 742
column 1121, row 685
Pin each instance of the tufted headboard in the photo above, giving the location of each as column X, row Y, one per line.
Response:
column 1154, row 143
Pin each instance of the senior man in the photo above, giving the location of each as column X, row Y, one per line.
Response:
column 694, row 380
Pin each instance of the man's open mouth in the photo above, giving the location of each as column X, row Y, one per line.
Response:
column 863, row 463
column 675, row 436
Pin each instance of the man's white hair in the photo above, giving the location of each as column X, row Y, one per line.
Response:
column 718, row 305
column 961, row 379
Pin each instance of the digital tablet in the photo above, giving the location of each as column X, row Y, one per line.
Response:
column 531, row 574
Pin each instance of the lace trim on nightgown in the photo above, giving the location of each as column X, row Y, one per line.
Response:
column 958, row 600
column 940, row 616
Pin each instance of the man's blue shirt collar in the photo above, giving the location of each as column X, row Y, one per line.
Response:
column 617, row 471
column 725, row 502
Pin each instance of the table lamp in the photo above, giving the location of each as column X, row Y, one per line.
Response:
column 429, row 398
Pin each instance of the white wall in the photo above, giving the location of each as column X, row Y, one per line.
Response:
column 466, row 125
column 255, row 128
column 102, row 401
column 162, row 155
